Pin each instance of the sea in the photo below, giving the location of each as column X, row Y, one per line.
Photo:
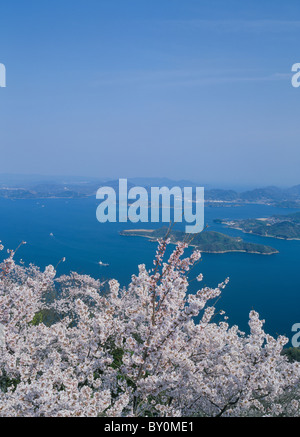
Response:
column 57, row 228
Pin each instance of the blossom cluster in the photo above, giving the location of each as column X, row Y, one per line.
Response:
column 152, row 349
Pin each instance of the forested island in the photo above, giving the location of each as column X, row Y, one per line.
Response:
column 206, row 241
column 285, row 227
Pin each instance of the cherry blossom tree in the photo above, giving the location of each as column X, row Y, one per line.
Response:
column 153, row 349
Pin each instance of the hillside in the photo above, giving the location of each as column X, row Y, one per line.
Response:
column 278, row 226
column 206, row 241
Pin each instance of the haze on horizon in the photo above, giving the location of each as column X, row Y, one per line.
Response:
column 197, row 90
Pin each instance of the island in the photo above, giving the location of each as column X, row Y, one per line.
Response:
column 206, row 241
column 285, row 227
column 70, row 187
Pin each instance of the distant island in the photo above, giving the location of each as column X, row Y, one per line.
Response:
column 285, row 227
column 274, row 196
column 37, row 187
column 206, row 241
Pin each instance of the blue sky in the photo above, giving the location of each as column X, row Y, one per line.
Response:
column 194, row 89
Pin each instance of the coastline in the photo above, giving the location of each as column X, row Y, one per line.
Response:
column 130, row 233
column 260, row 235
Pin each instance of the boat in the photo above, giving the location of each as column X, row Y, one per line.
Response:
column 102, row 264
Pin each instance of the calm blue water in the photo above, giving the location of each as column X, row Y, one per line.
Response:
column 268, row 284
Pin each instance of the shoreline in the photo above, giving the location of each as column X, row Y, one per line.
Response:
column 259, row 235
column 152, row 239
